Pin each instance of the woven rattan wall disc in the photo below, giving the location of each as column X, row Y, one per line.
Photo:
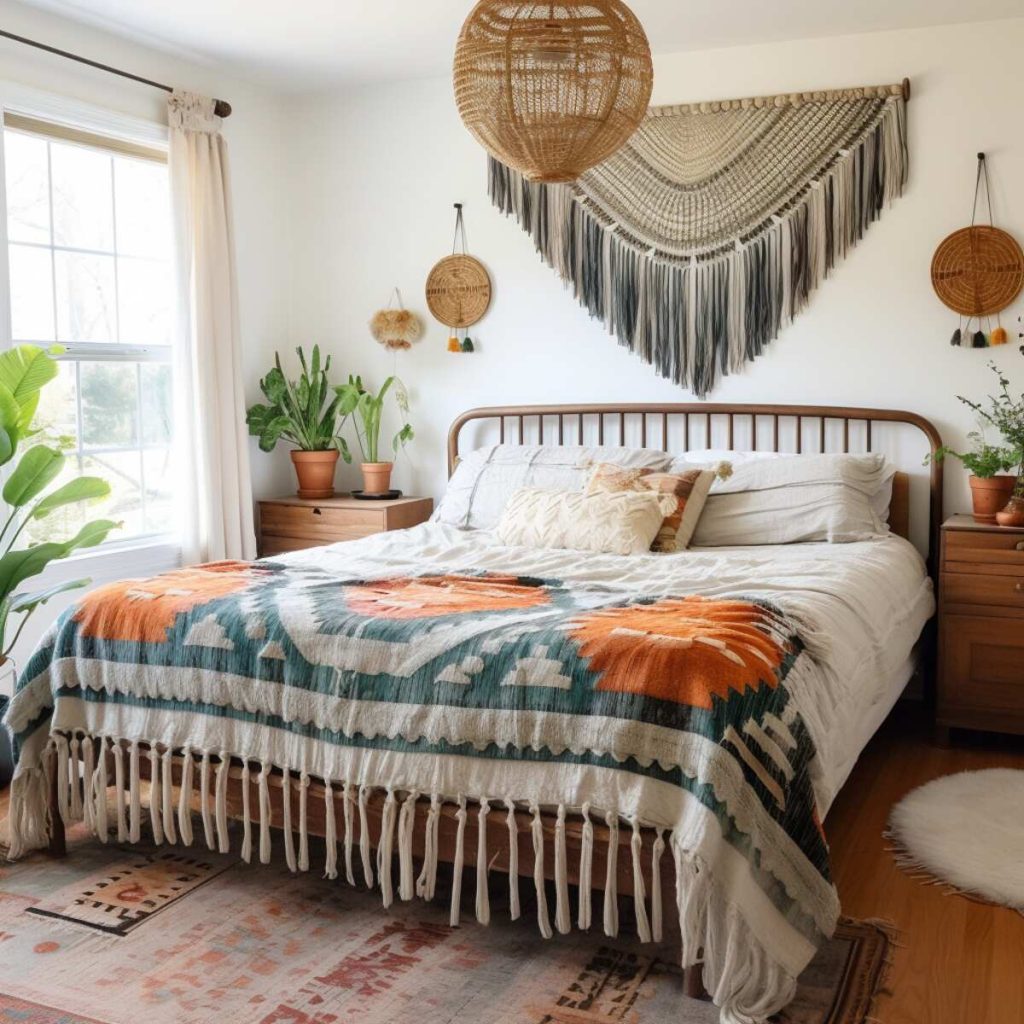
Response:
column 458, row 290
column 978, row 271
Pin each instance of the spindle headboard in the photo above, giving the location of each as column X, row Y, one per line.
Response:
column 681, row 427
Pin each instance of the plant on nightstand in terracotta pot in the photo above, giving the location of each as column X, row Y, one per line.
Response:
column 306, row 412
column 367, row 409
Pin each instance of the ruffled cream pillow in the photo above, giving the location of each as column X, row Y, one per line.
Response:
column 615, row 523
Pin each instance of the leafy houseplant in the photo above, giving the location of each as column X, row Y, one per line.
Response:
column 308, row 414
column 24, row 371
column 368, row 409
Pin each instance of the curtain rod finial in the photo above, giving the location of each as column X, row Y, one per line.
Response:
column 222, row 108
column 905, row 84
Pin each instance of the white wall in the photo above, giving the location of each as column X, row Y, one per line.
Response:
column 376, row 172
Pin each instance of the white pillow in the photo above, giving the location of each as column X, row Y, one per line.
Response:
column 485, row 480
column 880, row 500
column 610, row 522
column 791, row 500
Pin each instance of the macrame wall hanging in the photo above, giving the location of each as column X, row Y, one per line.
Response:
column 459, row 289
column 977, row 272
column 707, row 232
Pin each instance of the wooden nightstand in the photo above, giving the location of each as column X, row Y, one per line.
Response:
column 981, row 627
column 290, row 524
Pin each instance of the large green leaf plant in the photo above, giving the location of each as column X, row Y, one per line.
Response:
column 368, row 409
column 24, row 371
column 305, row 412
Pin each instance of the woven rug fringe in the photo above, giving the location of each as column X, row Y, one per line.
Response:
column 738, row 972
column 698, row 315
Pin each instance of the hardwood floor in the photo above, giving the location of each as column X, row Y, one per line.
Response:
column 961, row 961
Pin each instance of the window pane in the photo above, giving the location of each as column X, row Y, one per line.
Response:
column 156, row 403
column 86, row 305
column 158, row 476
column 28, row 199
column 31, row 294
column 57, row 415
column 122, row 471
column 109, row 404
column 142, row 203
column 83, row 200
column 143, row 288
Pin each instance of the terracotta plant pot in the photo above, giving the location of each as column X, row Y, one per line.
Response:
column 1013, row 514
column 315, row 471
column 377, row 477
column 990, row 495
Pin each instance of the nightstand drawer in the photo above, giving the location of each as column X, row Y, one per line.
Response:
column 1005, row 551
column 982, row 663
column 320, row 524
column 982, row 589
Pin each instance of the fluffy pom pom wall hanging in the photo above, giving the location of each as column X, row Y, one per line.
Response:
column 459, row 290
column 396, row 328
column 977, row 272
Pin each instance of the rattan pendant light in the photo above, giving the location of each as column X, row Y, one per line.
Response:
column 552, row 89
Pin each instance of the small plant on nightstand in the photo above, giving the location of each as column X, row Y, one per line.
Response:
column 368, row 408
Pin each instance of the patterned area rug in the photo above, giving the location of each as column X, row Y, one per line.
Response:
column 170, row 935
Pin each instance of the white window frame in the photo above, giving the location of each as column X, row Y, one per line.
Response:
column 114, row 559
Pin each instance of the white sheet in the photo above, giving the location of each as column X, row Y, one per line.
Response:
column 859, row 607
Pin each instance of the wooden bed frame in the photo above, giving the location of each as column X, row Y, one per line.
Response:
column 669, row 426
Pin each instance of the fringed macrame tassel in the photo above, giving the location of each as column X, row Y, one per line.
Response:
column 656, row 907
column 99, row 792
column 346, row 811
column 515, row 910
column 89, row 783
column 135, row 796
column 427, row 882
column 220, row 806
column 563, row 917
column 460, row 854
column 330, row 833
column 167, row 791
column 406, row 820
column 156, row 797
column 364, row 837
column 246, row 814
column 643, row 925
column 386, row 848
column 289, row 839
column 119, row 788
column 543, row 922
column 264, row 785
column 303, row 822
column 63, row 770
column 586, row 869
column 185, row 797
column 204, row 801
column 75, row 772
column 483, row 902
column 611, row 893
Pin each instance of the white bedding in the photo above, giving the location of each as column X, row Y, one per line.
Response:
column 860, row 608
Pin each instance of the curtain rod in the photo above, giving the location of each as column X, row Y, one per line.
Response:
column 220, row 107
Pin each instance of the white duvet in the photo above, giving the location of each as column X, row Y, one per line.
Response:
column 860, row 608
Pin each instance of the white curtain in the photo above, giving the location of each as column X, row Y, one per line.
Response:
column 211, row 438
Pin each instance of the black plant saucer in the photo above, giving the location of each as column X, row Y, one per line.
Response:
column 385, row 496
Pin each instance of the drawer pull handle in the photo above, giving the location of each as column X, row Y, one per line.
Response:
column 1019, row 588
column 1020, row 545
column 317, row 512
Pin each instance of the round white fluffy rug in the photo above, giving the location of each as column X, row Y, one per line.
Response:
column 966, row 830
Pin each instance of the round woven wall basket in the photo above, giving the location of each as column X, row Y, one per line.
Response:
column 978, row 271
column 458, row 290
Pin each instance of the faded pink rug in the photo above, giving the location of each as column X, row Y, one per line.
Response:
column 173, row 935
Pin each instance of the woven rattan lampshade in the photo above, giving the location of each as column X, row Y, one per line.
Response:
column 552, row 89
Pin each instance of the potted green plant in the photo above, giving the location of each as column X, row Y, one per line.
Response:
column 306, row 412
column 997, row 470
column 28, row 497
column 368, row 409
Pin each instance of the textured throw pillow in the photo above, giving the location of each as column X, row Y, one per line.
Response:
column 486, row 478
column 687, row 488
column 616, row 523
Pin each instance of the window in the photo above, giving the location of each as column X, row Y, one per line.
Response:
column 89, row 255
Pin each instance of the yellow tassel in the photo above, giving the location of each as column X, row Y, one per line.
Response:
column 453, row 344
column 998, row 336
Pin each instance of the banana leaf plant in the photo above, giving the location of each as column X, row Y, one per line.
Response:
column 368, row 409
column 24, row 371
column 305, row 412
